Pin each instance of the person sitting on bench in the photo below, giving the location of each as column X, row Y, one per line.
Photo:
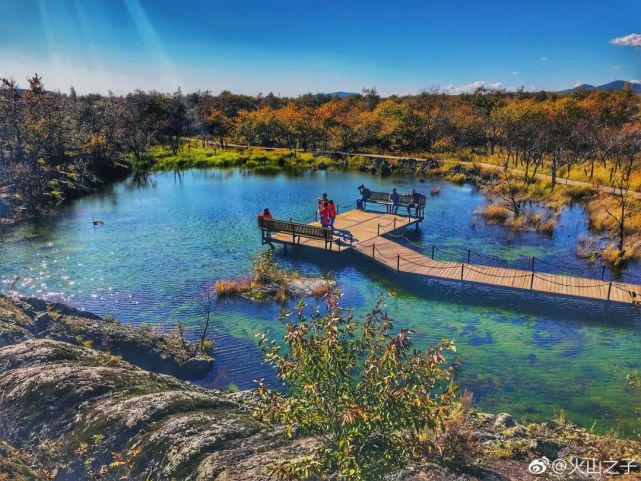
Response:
column 266, row 214
column 414, row 202
column 394, row 199
column 365, row 193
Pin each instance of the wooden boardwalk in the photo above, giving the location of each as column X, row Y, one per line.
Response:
column 368, row 229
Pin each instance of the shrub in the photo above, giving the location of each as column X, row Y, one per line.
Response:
column 457, row 442
column 232, row 288
column 266, row 271
column 542, row 223
column 614, row 257
column 370, row 398
column 457, row 177
column 587, row 247
column 495, row 214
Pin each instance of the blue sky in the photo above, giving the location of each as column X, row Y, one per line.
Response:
column 293, row 47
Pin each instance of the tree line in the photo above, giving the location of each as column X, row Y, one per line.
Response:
column 53, row 145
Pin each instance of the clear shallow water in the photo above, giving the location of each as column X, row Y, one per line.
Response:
column 524, row 353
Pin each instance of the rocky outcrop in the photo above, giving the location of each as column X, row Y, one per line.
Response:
column 16, row 466
column 29, row 318
column 82, row 412
column 77, row 413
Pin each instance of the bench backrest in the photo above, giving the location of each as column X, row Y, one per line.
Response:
column 275, row 225
column 403, row 198
column 407, row 199
column 378, row 197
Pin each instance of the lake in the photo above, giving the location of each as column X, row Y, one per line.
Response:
column 524, row 353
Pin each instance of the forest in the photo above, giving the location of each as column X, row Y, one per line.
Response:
column 54, row 146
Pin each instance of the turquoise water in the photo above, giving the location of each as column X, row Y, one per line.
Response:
column 524, row 353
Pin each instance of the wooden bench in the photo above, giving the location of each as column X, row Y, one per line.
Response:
column 405, row 200
column 378, row 198
column 268, row 226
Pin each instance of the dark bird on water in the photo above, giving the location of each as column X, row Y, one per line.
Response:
column 95, row 221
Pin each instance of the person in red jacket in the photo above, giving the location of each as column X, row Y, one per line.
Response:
column 323, row 211
column 331, row 214
column 266, row 214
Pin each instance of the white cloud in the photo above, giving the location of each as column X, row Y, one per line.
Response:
column 616, row 67
column 514, row 72
column 632, row 40
column 544, row 59
column 635, row 81
column 472, row 86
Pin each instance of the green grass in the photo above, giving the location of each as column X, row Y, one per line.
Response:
column 261, row 161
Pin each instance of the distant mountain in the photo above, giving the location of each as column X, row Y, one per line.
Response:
column 341, row 94
column 614, row 86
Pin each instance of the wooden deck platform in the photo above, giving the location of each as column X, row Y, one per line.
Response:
column 368, row 229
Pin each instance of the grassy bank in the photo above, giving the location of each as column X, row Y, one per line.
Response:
column 194, row 155
column 600, row 175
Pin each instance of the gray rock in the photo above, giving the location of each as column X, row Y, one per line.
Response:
column 43, row 320
column 504, row 421
column 483, row 436
column 519, row 431
column 485, row 418
column 76, row 406
column 545, row 447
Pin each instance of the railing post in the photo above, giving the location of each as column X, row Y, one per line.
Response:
column 432, row 251
column 609, row 290
column 533, row 259
column 398, row 263
column 532, row 281
column 378, row 230
column 462, row 267
column 469, row 252
column 394, row 223
column 603, row 272
column 373, row 248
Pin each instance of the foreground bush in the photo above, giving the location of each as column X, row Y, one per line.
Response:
column 370, row 398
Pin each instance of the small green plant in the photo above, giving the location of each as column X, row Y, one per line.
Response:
column 266, row 271
column 88, row 343
column 371, row 399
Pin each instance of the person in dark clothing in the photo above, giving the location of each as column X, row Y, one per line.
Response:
column 414, row 202
column 365, row 193
column 394, row 199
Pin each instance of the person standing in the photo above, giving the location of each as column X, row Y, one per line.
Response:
column 331, row 207
column 324, row 214
column 394, row 199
